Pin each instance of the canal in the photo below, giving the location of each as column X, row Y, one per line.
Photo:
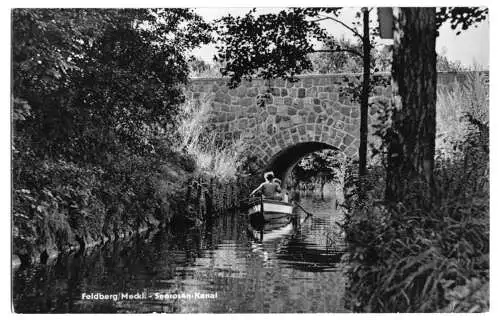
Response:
column 221, row 267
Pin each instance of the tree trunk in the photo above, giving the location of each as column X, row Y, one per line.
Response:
column 363, row 128
column 411, row 142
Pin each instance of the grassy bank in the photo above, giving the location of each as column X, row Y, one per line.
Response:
column 60, row 205
column 430, row 254
column 63, row 206
column 96, row 97
column 213, row 156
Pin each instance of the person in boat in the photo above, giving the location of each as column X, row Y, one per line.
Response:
column 268, row 188
column 283, row 195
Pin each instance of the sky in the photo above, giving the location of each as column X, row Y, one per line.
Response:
column 471, row 47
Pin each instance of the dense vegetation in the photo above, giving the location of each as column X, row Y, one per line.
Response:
column 327, row 62
column 420, row 243
column 96, row 100
column 429, row 254
column 212, row 155
column 102, row 140
column 321, row 167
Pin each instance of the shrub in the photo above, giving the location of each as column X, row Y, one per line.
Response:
column 212, row 155
column 459, row 111
column 56, row 200
column 93, row 119
column 422, row 254
column 419, row 258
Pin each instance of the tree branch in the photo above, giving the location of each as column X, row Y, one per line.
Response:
column 356, row 33
column 342, row 50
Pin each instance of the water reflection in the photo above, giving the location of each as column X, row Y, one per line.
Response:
column 294, row 267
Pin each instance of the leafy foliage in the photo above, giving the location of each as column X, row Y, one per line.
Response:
column 422, row 254
column 337, row 62
column 269, row 45
column 201, row 69
column 458, row 108
column 212, row 155
column 446, row 65
column 344, row 62
column 96, row 95
column 461, row 17
column 324, row 166
column 281, row 45
column 100, row 67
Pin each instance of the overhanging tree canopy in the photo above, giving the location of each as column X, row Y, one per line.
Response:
column 279, row 45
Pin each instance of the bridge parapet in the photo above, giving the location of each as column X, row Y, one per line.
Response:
column 273, row 115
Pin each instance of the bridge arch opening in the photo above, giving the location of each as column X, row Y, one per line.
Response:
column 283, row 162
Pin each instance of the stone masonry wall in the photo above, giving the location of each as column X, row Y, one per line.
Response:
column 272, row 115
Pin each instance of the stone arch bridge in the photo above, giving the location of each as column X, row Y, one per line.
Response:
column 282, row 121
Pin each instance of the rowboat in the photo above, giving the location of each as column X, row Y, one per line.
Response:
column 268, row 209
column 269, row 232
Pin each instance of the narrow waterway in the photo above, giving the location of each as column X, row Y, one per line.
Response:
column 219, row 268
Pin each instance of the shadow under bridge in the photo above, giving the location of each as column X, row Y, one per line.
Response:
column 284, row 161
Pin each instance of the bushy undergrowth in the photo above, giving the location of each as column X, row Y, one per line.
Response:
column 429, row 255
column 213, row 156
column 95, row 97
column 59, row 204
column 468, row 101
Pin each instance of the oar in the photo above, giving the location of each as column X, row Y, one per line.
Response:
column 246, row 200
column 307, row 212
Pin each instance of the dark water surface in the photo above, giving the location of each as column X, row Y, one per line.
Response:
column 218, row 268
